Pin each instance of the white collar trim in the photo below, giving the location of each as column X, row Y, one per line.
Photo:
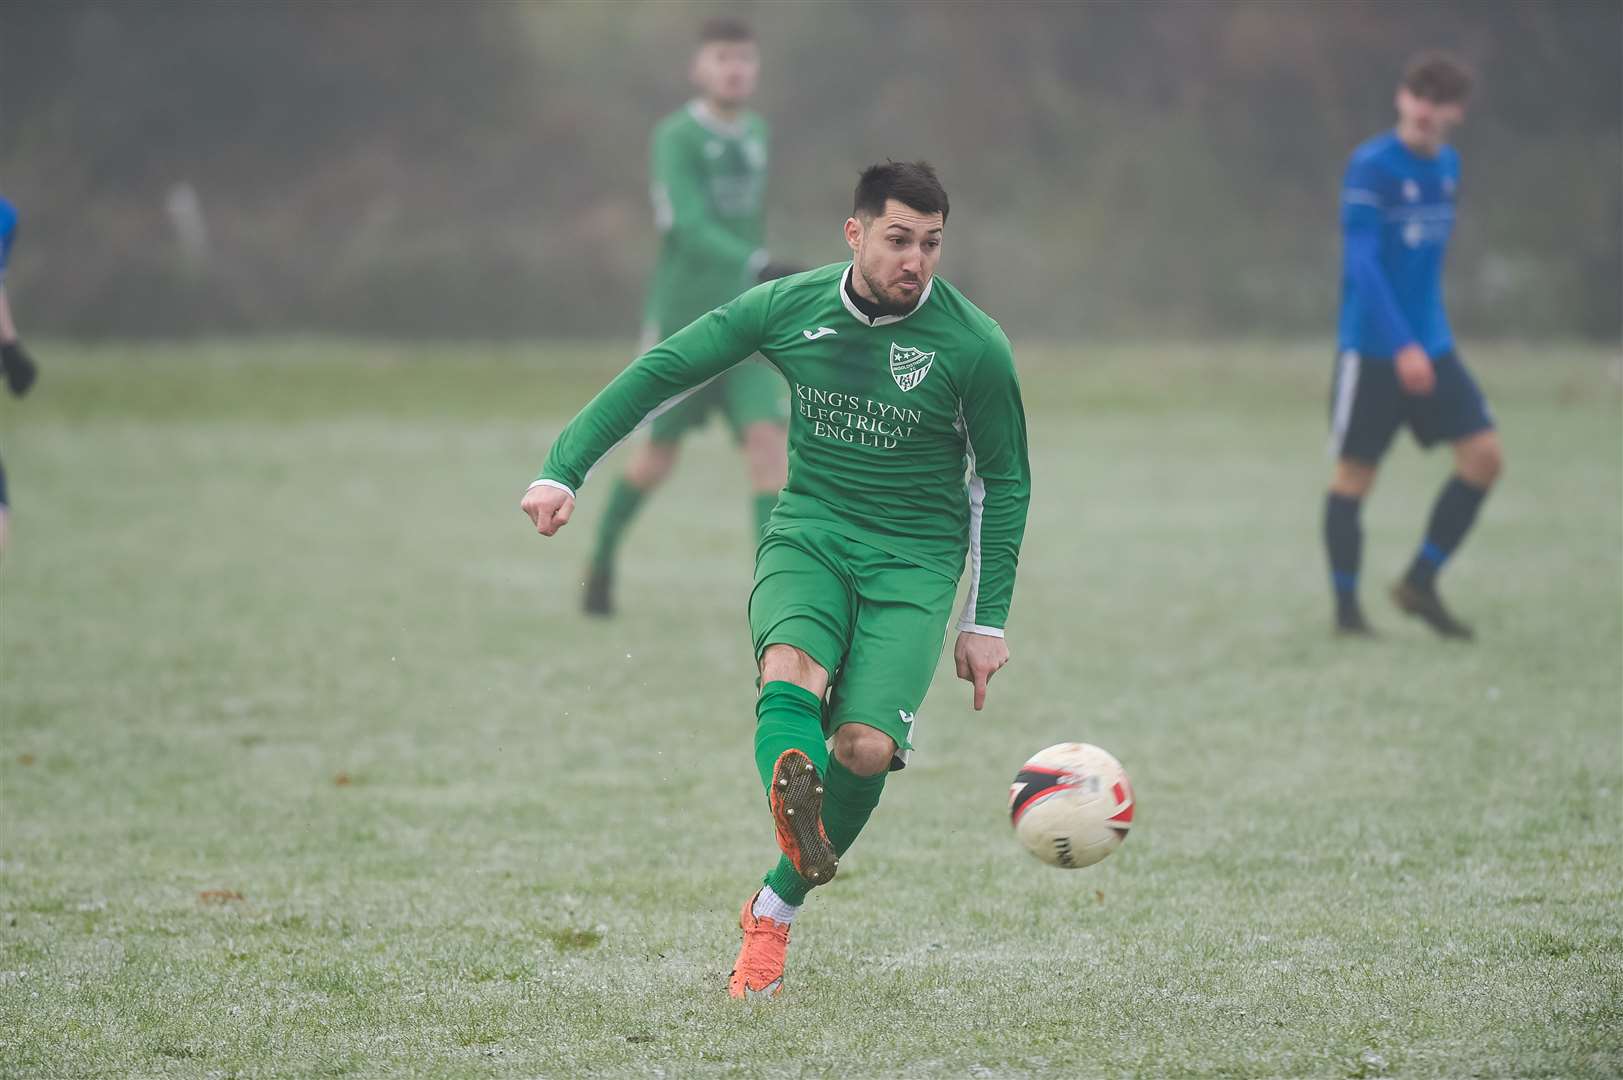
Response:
column 714, row 124
column 883, row 320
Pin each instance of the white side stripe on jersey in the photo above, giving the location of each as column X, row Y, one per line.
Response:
column 977, row 510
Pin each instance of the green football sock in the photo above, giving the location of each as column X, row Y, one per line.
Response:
column 788, row 717
column 790, row 886
column 764, row 502
column 848, row 801
column 624, row 501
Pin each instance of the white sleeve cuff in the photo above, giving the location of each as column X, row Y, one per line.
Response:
column 565, row 488
column 976, row 628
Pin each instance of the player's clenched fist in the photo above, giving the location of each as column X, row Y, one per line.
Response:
column 549, row 508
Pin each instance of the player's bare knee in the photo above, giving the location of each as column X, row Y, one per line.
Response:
column 864, row 750
column 785, row 663
column 1352, row 479
column 1482, row 460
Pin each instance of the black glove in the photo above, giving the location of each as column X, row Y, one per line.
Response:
column 777, row 270
column 20, row 371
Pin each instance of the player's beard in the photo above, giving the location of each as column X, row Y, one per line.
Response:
column 892, row 303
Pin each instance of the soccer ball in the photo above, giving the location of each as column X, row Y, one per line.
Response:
column 1071, row 804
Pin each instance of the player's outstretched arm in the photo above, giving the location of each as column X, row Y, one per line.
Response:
column 977, row 658
column 653, row 382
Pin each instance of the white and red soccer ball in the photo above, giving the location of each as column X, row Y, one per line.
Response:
column 1071, row 804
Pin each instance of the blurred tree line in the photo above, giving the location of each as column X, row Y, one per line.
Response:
column 474, row 168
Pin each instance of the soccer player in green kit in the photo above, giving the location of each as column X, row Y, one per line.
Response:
column 900, row 388
column 708, row 185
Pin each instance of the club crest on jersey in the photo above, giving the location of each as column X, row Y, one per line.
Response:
column 908, row 366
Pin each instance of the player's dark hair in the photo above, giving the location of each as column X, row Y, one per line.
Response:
column 912, row 183
column 1437, row 77
column 725, row 28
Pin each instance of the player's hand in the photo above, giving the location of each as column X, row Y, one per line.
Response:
column 1415, row 373
column 774, row 270
column 549, row 508
column 979, row 657
column 20, row 370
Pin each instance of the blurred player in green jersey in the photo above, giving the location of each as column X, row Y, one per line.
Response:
column 907, row 454
column 708, row 183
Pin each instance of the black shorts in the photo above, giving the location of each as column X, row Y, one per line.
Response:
column 1368, row 405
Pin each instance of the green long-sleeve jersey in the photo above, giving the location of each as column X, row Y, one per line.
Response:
column 887, row 412
column 708, row 184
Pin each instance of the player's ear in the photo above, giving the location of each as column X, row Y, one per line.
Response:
column 853, row 233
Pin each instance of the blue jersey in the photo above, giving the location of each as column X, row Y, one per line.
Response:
column 8, row 232
column 1397, row 212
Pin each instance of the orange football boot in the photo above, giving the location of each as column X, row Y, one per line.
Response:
column 758, row 971
column 797, row 814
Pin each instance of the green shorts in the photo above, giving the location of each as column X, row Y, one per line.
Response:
column 748, row 394
column 873, row 621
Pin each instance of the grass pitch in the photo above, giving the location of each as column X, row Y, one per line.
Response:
column 309, row 766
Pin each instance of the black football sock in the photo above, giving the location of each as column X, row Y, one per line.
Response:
column 1451, row 518
column 1344, row 540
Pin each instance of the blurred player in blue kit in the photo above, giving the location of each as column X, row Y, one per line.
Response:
column 17, row 367
column 1397, row 365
